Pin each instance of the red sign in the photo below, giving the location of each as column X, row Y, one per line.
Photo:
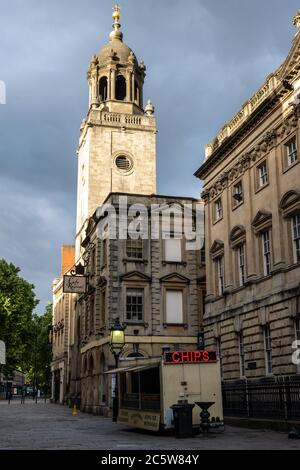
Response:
column 190, row 357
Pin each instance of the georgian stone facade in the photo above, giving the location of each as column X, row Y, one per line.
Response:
column 116, row 270
column 251, row 192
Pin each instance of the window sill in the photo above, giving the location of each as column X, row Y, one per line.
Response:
column 217, row 220
column 180, row 325
column 236, row 206
column 181, row 263
column 289, row 167
column 260, row 188
column 136, row 322
column 135, row 260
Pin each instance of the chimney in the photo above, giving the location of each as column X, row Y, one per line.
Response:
column 67, row 258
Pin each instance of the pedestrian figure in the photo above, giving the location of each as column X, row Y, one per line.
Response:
column 23, row 396
column 9, row 396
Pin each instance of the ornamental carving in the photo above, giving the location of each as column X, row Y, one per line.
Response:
column 290, row 122
column 256, row 152
column 205, row 195
column 270, row 139
column 243, row 163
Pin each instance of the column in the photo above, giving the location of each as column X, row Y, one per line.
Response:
column 113, row 84
column 109, row 85
column 128, row 86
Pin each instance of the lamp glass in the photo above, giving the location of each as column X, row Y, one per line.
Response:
column 117, row 339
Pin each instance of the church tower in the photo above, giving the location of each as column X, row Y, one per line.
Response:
column 117, row 147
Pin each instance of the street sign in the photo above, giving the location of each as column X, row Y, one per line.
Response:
column 2, row 353
column 75, row 284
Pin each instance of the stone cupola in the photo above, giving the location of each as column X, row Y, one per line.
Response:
column 115, row 76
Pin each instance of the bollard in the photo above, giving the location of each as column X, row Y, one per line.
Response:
column 74, row 413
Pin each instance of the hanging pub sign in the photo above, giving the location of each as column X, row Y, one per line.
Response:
column 190, row 357
column 75, row 284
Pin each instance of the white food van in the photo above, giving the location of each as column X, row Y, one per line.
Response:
column 148, row 388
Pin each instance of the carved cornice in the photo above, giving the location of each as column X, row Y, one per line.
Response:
column 242, row 164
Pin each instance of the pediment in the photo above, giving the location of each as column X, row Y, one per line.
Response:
column 135, row 276
column 261, row 218
column 237, row 232
column 289, row 68
column 289, row 199
column 217, row 245
column 175, row 278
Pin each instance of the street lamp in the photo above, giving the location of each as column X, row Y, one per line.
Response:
column 117, row 343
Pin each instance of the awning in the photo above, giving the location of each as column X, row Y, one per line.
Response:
column 133, row 368
column 145, row 367
column 117, row 371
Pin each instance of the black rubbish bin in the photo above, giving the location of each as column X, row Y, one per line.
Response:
column 183, row 419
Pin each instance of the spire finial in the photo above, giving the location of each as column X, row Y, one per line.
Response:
column 116, row 34
column 296, row 20
column 116, row 16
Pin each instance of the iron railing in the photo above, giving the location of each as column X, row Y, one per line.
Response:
column 270, row 398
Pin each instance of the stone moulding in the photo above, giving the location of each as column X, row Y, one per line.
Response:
column 246, row 160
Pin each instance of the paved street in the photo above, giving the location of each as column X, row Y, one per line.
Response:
column 46, row 426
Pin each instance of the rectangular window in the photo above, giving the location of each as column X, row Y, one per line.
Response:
column 241, row 263
column 92, row 313
column 219, row 354
column 296, row 237
column 266, row 249
column 173, row 250
column 92, row 269
column 262, row 174
column 291, row 151
column 104, row 252
column 174, row 307
column 297, row 328
column 242, row 354
column 220, row 274
column 134, row 248
column 103, row 307
column 268, row 350
column 135, row 305
column 237, row 194
column 218, row 210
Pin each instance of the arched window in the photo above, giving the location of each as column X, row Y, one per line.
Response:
column 136, row 92
column 135, row 354
column 102, row 390
column 103, row 88
column 120, row 88
column 91, row 365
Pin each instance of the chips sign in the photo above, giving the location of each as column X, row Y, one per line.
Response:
column 75, row 284
column 190, row 357
column 2, row 353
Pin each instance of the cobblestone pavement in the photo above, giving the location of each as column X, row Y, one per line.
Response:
column 46, row 426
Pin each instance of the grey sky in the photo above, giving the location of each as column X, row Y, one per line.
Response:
column 204, row 58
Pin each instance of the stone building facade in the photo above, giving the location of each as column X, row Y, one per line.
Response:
column 62, row 328
column 251, row 177
column 156, row 287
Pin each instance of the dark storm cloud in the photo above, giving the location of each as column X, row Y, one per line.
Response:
column 204, row 59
